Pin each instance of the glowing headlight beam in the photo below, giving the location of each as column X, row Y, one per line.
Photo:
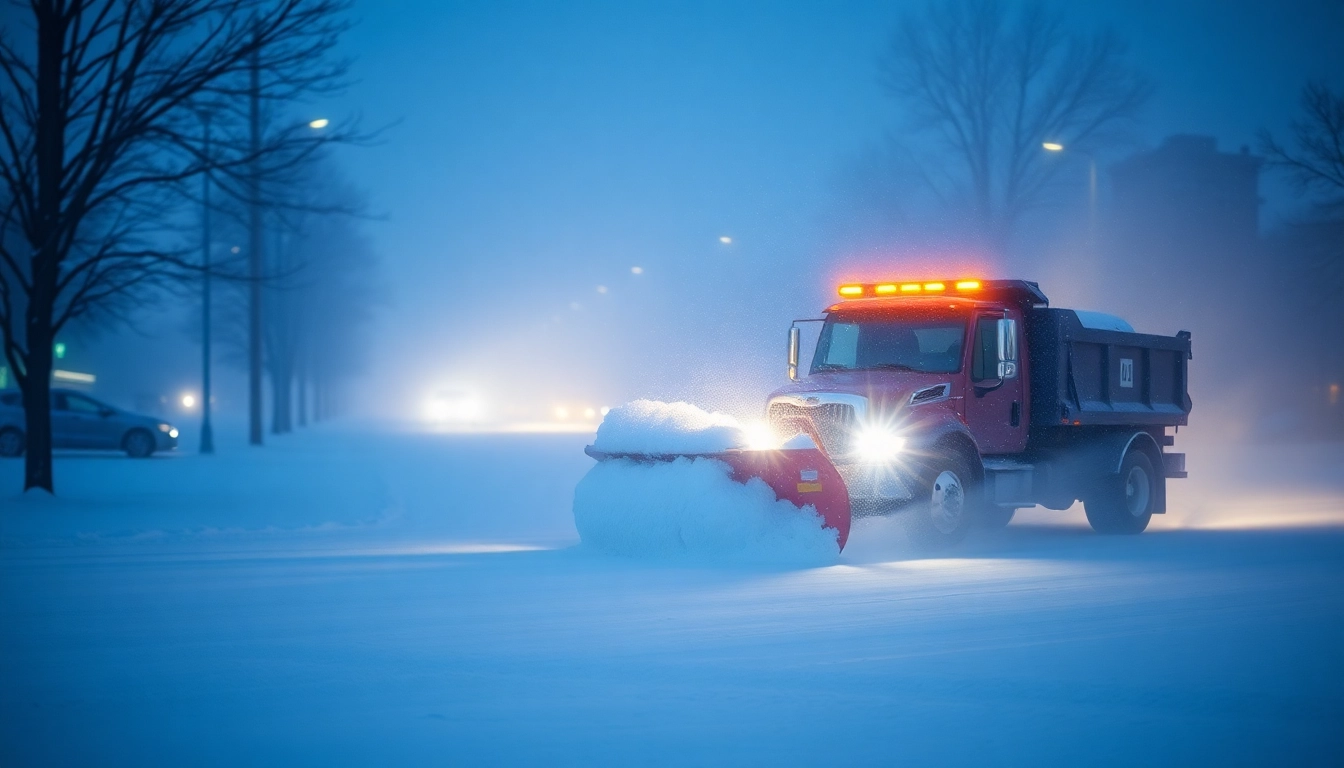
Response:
column 878, row 445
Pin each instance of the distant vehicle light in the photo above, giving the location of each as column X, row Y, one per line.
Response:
column 319, row 123
column 636, row 270
column 562, row 413
column 1052, row 146
column 589, row 413
column 726, row 240
column 456, row 407
column 188, row 401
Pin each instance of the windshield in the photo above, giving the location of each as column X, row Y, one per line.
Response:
column 928, row 345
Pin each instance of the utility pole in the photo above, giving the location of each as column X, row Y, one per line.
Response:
column 254, row 262
column 207, row 431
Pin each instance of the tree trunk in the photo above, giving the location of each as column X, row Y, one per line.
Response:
column 35, row 379
column 36, row 388
column 254, row 261
column 301, row 381
column 282, row 383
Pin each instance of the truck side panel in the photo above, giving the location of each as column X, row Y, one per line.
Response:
column 1089, row 377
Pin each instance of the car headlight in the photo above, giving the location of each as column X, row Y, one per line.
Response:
column 878, row 444
column 169, row 430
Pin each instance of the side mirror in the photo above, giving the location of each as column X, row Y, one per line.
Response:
column 1007, row 348
column 795, row 340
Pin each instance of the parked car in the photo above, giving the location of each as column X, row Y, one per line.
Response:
column 79, row 421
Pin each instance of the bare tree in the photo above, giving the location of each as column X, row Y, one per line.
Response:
column 1316, row 161
column 97, row 131
column 991, row 85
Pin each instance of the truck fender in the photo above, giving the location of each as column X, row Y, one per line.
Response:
column 1117, row 445
column 941, row 431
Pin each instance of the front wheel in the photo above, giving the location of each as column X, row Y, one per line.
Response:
column 1123, row 503
column 948, row 506
column 139, row 444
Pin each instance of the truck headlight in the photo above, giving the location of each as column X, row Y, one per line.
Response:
column 878, row 444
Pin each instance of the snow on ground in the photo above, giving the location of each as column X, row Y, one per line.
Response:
column 351, row 597
column 690, row 507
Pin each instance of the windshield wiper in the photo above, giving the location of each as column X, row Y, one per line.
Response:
column 891, row 367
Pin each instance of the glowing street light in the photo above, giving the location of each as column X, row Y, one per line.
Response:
column 188, row 401
column 319, row 123
column 1054, row 146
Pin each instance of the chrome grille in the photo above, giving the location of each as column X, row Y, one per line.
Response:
column 827, row 423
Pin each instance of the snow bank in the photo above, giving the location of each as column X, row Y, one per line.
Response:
column 653, row 427
column 691, row 508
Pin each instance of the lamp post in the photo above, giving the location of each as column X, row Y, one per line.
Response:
column 207, row 431
column 1054, row 146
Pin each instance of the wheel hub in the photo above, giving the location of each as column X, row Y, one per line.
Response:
column 1137, row 491
column 948, row 502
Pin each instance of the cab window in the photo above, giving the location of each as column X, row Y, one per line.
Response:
column 985, row 360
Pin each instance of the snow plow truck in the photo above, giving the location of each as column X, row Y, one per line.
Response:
column 956, row 402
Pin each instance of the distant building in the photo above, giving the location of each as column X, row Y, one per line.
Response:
column 1185, row 206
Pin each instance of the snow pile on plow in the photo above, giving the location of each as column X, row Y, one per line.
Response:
column 654, row 427
column 688, row 506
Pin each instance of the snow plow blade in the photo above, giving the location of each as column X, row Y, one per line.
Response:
column 802, row 476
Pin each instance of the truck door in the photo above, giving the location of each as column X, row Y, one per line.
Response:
column 996, row 412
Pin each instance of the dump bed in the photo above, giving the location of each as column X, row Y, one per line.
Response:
column 1090, row 376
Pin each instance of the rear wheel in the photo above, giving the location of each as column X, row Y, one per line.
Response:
column 139, row 444
column 11, row 443
column 1123, row 503
column 948, row 506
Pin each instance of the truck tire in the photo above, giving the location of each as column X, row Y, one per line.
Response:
column 948, row 506
column 1123, row 503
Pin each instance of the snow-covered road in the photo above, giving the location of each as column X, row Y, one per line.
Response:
column 371, row 599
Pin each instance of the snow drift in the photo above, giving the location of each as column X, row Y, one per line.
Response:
column 689, row 507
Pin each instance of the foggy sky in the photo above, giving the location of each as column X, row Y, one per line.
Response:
column 542, row 149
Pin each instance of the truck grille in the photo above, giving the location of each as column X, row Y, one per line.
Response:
column 829, row 424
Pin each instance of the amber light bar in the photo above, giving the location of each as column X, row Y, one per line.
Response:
column 859, row 290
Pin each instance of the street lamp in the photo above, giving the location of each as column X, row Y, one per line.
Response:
column 319, row 123
column 207, row 431
column 1054, row 146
